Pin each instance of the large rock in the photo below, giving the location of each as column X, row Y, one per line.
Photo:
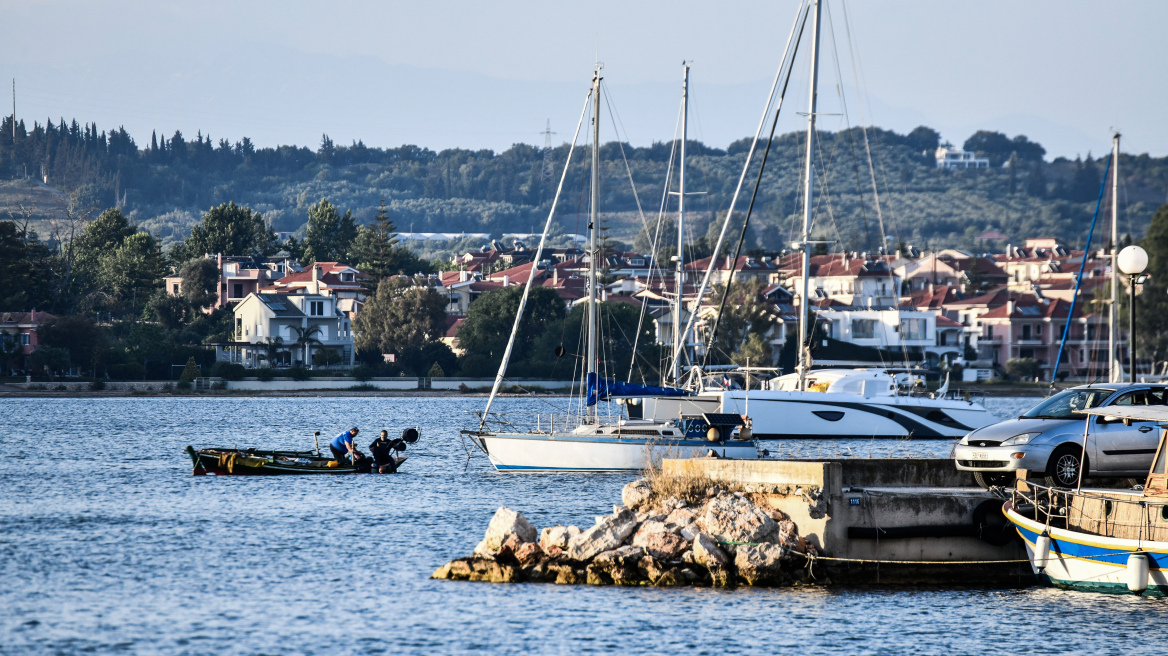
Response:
column 759, row 564
column 659, row 541
column 608, row 533
column 506, row 522
column 731, row 518
column 528, row 554
column 557, row 536
column 621, row 566
column 478, row 569
column 707, row 553
column 636, row 493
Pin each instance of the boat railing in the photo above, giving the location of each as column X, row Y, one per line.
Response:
column 966, row 395
column 1127, row 515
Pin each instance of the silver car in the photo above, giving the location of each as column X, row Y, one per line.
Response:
column 1049, row 439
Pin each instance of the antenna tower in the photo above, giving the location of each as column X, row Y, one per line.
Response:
column 547, row 151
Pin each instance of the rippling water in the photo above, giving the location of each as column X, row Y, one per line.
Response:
column 108, row 544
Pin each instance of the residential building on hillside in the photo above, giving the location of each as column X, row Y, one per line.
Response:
column 21, row 329
column 763, row 269
column 335, row 279
column 950, row 157
column 1029, row 326
column 851, row 281
column 288, row 329
column 240, row 276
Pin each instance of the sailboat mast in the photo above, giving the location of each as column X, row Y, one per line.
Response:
column 805, row 300
column 593, row 322
column 1114, row 373
column 678, row 338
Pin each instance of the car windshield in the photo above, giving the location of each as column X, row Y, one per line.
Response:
column 1066, row 403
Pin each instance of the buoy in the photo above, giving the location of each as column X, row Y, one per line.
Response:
column 1041, row 551
column 1137, row 572
column 713, row 435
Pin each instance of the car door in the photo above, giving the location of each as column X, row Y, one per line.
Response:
column 1122, row 449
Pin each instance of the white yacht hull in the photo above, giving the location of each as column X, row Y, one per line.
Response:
column 780, row 415
column 533, row 452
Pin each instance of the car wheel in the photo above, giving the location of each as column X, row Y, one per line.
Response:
column 1062, row 470
column 987, row 480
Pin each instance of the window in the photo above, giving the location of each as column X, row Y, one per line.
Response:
column 174, row 288
column 316, row 308
column 238, row 327
column 913, row 328
column 24, row 339
column 1025, row 332
column 1090, row 332
column 347, row 277
column 324, row 332
column 236, row 290
column 863, row 328
column 1038, row 330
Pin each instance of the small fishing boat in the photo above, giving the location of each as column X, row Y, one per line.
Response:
column 233, row 461
column 1100, row 540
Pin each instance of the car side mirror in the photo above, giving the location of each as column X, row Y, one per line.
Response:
column 1127, row 421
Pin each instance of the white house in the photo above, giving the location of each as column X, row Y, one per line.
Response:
column 268, row 327
column 950, row 157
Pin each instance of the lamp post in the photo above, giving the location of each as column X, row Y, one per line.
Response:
column 1132, row 262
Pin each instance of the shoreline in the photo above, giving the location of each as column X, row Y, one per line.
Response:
column 11, row 391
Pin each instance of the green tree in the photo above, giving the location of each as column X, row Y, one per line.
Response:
column 923, row 140
column 618, row 331
column 10, row 349
column 400, row 316
column 50, row 360
column 131, row 272
column 228, row 229
column 329, row 233
column 306, row 340
column 23, row 267
column 79, row 335
column 200, row 282
column 490, row 318
column 102, row 235
column 746, row 313
column 190, row 372
column 1152, row 302
column 755, row 351
column 374, row 248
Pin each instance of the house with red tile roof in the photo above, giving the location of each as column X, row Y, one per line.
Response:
column 1030, row 326
column 20, row 329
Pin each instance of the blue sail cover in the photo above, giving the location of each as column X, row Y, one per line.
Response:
column 601, row 389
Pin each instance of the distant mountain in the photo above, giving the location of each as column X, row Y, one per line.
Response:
column 165, row 185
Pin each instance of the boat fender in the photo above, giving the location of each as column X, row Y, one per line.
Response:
column 1137, row 572
column 997, row 531
column 1042, row 551
column 714, row 434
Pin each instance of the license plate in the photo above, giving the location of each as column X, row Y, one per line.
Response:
column 981, row 455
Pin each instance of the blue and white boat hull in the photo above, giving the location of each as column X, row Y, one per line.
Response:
column 1082, row 561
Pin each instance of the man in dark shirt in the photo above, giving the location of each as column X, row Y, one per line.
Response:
column 382, row 449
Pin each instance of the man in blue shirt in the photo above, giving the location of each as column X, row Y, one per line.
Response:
column 342, row 446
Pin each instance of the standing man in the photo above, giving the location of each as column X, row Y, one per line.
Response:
column 342, row 445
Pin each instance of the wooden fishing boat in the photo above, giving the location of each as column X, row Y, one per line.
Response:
column 1100, row 540
column 256, row 462
column 260, row 462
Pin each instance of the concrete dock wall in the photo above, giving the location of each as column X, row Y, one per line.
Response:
column 866, row 510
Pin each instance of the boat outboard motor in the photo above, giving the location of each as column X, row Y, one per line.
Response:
column 410, row 435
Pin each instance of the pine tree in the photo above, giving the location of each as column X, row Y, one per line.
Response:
column 375, row 251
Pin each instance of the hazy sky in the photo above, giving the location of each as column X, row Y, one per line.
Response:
column 489, row 74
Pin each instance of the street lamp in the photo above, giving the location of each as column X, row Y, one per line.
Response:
column 1132, row 262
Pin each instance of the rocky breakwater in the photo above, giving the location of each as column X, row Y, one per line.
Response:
column 716, row 538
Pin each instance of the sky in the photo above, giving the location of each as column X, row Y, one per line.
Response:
column 443, row 74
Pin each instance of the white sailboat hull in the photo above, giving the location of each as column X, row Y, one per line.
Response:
column 533, row 452
column 779, row 415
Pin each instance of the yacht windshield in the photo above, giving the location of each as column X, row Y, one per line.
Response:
column 1066, row 403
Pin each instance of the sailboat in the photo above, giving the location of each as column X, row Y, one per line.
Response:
column 811, row 403
column 586, row 441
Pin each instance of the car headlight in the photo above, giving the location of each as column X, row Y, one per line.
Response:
column 965, row 440
column 1024, row 438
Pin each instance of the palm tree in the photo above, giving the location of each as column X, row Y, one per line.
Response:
column 272, row 348
column 306, row 338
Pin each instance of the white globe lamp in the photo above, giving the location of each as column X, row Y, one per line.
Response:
column 1133, row 260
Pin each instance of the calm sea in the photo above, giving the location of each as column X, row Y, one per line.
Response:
column 108, row 544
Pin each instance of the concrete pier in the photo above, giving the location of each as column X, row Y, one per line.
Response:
column 889, row 521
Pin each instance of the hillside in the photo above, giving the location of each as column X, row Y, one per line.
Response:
column 166, row 185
